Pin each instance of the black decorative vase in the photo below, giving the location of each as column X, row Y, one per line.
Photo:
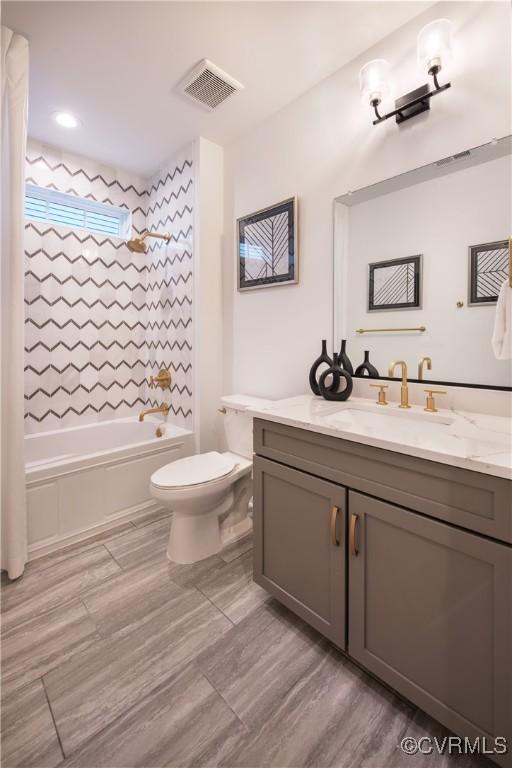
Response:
column 344, row 359
column 366, row 368
column 337, row 373
column 323, row 359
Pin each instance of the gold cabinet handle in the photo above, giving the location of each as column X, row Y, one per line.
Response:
column 334, row 519
column 352, row 535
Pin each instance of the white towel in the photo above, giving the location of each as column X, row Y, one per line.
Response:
column 502, row 335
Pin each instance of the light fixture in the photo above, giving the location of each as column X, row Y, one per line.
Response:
column 374, row 81
column 434, row 50
column 66, row 119
column 435, row 46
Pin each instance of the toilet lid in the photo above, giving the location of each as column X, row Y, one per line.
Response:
column 194, row 470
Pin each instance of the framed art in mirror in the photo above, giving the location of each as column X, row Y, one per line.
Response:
column 394, row 284
column 267, row 247
column 488, row 268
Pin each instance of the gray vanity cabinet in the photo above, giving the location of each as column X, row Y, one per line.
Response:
column 417, row 553
column 430, row 614
column 299, row 544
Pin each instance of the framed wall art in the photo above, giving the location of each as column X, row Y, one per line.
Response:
column 395, row 284
column 488, row 268
column 267, row 247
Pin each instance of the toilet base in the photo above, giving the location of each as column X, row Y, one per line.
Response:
column 236, row 532
column 196, row 536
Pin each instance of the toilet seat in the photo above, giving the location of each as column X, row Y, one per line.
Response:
column 195, row 470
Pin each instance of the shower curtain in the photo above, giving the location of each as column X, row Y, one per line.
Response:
column 14, row 55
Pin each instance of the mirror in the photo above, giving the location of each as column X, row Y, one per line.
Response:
column 418, row 262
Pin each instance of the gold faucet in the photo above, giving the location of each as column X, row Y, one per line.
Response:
column 381, row 400
column 404, row 390
column 431, row 402
column 164, row 408
column 162, row 380
column 428, row 361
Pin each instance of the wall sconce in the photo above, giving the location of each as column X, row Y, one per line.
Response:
column 434, row 49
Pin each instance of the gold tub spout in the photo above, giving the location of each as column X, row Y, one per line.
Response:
column 164, row 408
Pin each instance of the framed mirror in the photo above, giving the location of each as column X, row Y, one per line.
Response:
column 419, row 260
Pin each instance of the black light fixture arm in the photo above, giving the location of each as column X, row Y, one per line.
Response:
column 375, row 103
column 408, row 105
column 434, row 72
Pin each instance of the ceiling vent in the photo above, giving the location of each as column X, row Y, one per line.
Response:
column 208, row 85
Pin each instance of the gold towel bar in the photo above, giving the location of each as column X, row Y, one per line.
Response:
column 390, row 330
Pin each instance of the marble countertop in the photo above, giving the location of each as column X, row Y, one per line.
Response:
column 474, row 441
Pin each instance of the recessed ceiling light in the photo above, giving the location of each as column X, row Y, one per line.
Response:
column 66, row 120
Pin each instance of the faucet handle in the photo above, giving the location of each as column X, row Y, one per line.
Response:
column 431, row 402
column 381, row 400
column 163, row 380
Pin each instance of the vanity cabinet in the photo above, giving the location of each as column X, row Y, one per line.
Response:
column 299, row 545
column 429, row 613
column 412, row 577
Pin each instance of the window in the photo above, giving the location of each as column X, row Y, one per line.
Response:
column 43, row 204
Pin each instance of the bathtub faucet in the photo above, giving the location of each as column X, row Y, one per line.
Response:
column 164, row 408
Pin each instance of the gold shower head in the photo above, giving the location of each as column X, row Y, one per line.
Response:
column 137, row 244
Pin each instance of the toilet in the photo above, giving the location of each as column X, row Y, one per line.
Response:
column 209, row 494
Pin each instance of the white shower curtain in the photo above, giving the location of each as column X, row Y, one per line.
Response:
column 14, row 61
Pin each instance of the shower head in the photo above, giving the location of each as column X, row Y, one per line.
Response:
column 137, row 244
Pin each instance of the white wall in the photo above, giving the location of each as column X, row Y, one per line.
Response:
column 439, row 219
column 324, row 144
column 208, row 244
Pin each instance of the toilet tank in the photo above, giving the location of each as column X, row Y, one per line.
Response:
column 238, row 422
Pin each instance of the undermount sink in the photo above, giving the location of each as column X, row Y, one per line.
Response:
column 387, row 423
column 369, row 412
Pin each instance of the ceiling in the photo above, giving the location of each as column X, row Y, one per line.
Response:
column 115, row 65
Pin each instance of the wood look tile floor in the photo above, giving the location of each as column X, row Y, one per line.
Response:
column 112, row 656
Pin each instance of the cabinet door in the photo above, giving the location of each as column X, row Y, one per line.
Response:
column 430, row 612
column 300, row 545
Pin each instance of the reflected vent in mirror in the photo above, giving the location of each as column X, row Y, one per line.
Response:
column 208, row 85
column 458, row 156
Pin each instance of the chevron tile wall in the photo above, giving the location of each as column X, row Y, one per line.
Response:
column 169, row 287
column 100, row 319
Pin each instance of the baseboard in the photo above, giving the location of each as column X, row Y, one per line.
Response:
column 54, row 543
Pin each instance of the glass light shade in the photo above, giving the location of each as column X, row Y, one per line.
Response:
column 374, row 80
column 435, row 44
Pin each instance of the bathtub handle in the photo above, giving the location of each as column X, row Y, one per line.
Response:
column 162, row 380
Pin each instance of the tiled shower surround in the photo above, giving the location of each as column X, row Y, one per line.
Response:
column 100, row 319
column 169, row 289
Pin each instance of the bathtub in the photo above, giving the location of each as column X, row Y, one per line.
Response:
column 81, row 480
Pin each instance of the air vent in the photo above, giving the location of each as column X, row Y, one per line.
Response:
column 461, row 155
column 444, row 161
column 458, row 156
column 208, row 85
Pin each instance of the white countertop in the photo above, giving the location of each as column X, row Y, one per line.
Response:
column 473, row 441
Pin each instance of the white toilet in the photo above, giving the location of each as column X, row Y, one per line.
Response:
column 209, row 493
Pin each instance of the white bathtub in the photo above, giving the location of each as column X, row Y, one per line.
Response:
column 84, row 479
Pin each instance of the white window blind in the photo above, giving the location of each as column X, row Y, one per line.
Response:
column 47, row 205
